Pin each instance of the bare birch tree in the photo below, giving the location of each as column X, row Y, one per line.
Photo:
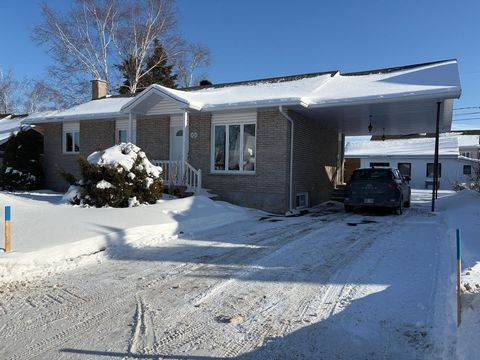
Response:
column 80, row 40
column 145, row 22
column 8, row 92
column 190, row 60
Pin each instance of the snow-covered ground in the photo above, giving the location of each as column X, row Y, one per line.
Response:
column 196, row 279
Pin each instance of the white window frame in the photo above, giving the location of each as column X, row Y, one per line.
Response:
column 227, row 150
column 70, row 128
column 122, row 124
column 305, row 194
column 232, row 119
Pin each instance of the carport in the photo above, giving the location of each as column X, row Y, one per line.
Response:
column 394, row 101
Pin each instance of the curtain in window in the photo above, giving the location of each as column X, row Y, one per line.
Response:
column 220, row 138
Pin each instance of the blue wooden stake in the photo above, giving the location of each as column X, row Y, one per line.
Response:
column 8, row 216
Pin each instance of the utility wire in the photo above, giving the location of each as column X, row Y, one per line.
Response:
column 468, row 119
column 466, row 108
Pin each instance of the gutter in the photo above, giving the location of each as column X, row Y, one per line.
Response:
column 290, row 189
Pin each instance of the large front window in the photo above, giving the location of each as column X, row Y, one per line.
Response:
column 234, row 148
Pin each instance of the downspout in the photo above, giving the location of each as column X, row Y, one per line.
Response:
column 290, row 189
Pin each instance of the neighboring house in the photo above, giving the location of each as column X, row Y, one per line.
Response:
column 274, row 144
column 414, row 157
column 12, row 124
column 468, row 140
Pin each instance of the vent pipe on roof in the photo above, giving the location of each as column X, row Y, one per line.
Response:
column 99, row 89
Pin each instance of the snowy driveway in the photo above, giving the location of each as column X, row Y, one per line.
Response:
column 330, row 285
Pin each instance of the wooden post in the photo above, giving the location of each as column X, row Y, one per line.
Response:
column 459, row 280
column 8, row 244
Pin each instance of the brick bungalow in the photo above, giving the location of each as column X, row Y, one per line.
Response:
column 274, row 144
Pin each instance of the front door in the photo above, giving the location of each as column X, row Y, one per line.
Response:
column 176, row 143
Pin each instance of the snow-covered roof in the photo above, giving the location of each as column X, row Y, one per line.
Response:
column 438, row 79
column 8, row 125
column 407, row 147
column 327, row 89
column 94, row 109
column 468, row 140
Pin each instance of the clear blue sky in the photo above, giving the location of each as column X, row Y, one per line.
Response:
column 262, row 38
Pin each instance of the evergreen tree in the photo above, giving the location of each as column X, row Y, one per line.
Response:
column 21, row 168
column 161, row 71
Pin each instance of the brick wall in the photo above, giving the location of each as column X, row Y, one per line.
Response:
column 267, row 189
column 153, row 136
column 54, row 160
column 315, row 157
column 94, row 135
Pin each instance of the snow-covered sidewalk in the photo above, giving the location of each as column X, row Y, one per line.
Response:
column 326, row 285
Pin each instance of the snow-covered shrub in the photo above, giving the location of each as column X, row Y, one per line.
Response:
column 120, row 176
column 21, row 168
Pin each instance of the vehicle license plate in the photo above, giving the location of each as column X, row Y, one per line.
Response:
column 368, row 201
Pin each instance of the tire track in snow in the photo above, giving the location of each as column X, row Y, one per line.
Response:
column 70, row 332
column 145, row 282
column 320, row 303
column 189, row 333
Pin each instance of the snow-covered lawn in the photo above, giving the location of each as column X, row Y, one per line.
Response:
column 196, row 279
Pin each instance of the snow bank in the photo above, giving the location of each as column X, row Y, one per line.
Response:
column 462, row 211
column 48, row 235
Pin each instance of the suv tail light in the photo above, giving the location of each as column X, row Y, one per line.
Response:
column 393, row 185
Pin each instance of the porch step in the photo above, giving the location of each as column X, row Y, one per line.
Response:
column 338, row 194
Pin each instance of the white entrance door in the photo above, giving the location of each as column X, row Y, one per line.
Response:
column 176, row 143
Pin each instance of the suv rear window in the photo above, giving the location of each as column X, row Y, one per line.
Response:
column 372, row 174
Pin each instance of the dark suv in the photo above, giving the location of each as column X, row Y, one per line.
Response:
column 378, row 187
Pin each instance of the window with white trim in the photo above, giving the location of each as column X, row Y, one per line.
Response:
column 71, row 138
column 234, row 148
column 301, row 200
column 121, row 130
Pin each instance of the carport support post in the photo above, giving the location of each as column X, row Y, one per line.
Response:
column 435, row 161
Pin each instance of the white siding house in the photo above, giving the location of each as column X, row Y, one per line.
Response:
column 414, row 157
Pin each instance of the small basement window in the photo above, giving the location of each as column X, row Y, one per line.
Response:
column 467, row 169
column 302, row 200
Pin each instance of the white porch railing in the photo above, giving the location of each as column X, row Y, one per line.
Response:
column 175, row 174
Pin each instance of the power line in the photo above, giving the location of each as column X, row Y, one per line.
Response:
column 468, row 119
column 470, row 113
column 467, row 108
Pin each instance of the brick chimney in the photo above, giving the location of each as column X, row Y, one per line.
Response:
column 99, row 89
